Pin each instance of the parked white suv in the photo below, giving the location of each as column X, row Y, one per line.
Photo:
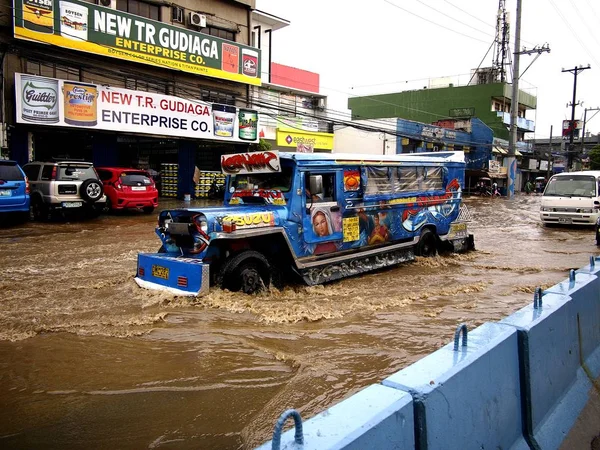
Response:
column 64, row 186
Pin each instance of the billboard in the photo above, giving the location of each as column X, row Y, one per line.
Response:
column 65, row 103
column 566, row 133
column 91, row 28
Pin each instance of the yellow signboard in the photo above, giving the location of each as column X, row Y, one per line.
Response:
column 84, row 26
column 351, row 229
column 323, row 141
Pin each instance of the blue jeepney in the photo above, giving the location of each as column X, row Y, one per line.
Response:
column 310, row 216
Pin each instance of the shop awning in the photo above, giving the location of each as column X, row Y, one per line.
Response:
column 499, row 150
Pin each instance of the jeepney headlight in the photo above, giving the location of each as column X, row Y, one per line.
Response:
column 544, row 208
column 586, row 210
column 204, row 225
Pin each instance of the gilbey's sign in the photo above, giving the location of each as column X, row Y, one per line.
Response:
column 95, row 29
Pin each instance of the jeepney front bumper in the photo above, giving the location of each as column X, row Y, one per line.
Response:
column 177, row 275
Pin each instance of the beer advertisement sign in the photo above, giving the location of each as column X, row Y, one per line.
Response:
column 91, row 28
column 50, row 101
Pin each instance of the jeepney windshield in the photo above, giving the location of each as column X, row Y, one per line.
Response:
column 571, row 186
column 279, row 181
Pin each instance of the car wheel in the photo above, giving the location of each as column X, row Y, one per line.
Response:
column 107, row 206
column 427, row 245
column 148, row 209
column 39, row 210
column 247, row 272
column 91, row 190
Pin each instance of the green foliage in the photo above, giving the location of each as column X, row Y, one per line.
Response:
column 262, row 146
column 594, row 156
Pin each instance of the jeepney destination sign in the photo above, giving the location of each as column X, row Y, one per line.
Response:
column 104, row 31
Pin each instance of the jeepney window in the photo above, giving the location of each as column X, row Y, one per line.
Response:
column 432, row 179
column 281, row 181
column 323, row 186
column 407, row 179
column 378, row 181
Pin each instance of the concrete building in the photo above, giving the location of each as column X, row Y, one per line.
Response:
column 132, row 83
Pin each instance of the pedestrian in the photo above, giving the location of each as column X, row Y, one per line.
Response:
column 528, row 187
column 538, row 186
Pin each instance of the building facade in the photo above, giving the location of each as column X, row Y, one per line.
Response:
column 129, row 83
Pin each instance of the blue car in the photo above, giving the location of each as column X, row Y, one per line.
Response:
column 14, row 191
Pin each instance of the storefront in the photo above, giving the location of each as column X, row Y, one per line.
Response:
column 142, row 94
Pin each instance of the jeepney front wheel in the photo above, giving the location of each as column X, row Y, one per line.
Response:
column 427, row 245
column 247, row 272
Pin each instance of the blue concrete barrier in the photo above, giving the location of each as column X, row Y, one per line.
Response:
column 549, row 365
column 519, row 383
column 376, row 417
column 469, row 398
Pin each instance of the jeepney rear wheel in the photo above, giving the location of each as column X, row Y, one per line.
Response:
column 247, row 271
column 427, row 245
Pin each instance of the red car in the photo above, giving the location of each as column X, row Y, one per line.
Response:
column 128, row 188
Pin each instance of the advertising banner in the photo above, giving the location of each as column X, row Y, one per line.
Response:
column 104, row 31
column 50, row 101
column 302, row 140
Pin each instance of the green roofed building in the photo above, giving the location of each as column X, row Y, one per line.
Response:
column 489, row 102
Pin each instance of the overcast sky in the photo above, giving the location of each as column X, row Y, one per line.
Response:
column 382, row 46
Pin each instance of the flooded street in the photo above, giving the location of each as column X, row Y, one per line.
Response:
column 88, row 359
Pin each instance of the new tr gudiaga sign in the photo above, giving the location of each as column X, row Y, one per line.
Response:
column 104, row 31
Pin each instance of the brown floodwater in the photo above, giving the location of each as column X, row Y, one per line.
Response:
column 90, row 360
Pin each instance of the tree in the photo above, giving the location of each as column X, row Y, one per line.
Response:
column 594, row 156
column 261, row 146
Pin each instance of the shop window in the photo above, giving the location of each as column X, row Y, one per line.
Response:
column 378, row 181
column 219, row 32
column 51, row 70
column 217, row 97
column 145, row 86
column 139, row 8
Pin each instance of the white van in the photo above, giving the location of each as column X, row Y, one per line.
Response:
column 571, row 198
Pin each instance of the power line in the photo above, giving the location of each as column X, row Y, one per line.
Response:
column 434, row 23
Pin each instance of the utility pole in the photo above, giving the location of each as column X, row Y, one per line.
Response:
column 511, row 161
column 570, row 153
column 549, row 156
column 584, row 121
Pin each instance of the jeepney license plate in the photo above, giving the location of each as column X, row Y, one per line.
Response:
column 4, row 192
column 458, row 231
column 160, row 272
column 71, row 204
column 565, row 220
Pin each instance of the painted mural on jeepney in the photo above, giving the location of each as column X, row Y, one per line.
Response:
column 363, row 215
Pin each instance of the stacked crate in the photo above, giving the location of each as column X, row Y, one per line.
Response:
column 168, row 176
column 206, row 179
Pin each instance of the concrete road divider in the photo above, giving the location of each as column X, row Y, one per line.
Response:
column 469, row 397
column 377, row 417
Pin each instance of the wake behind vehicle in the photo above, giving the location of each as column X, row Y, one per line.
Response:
column 317, row 217
column 14, row 191
column 571, row 198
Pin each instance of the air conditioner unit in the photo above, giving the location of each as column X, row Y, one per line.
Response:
column 197, row 19
column 107, row 3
